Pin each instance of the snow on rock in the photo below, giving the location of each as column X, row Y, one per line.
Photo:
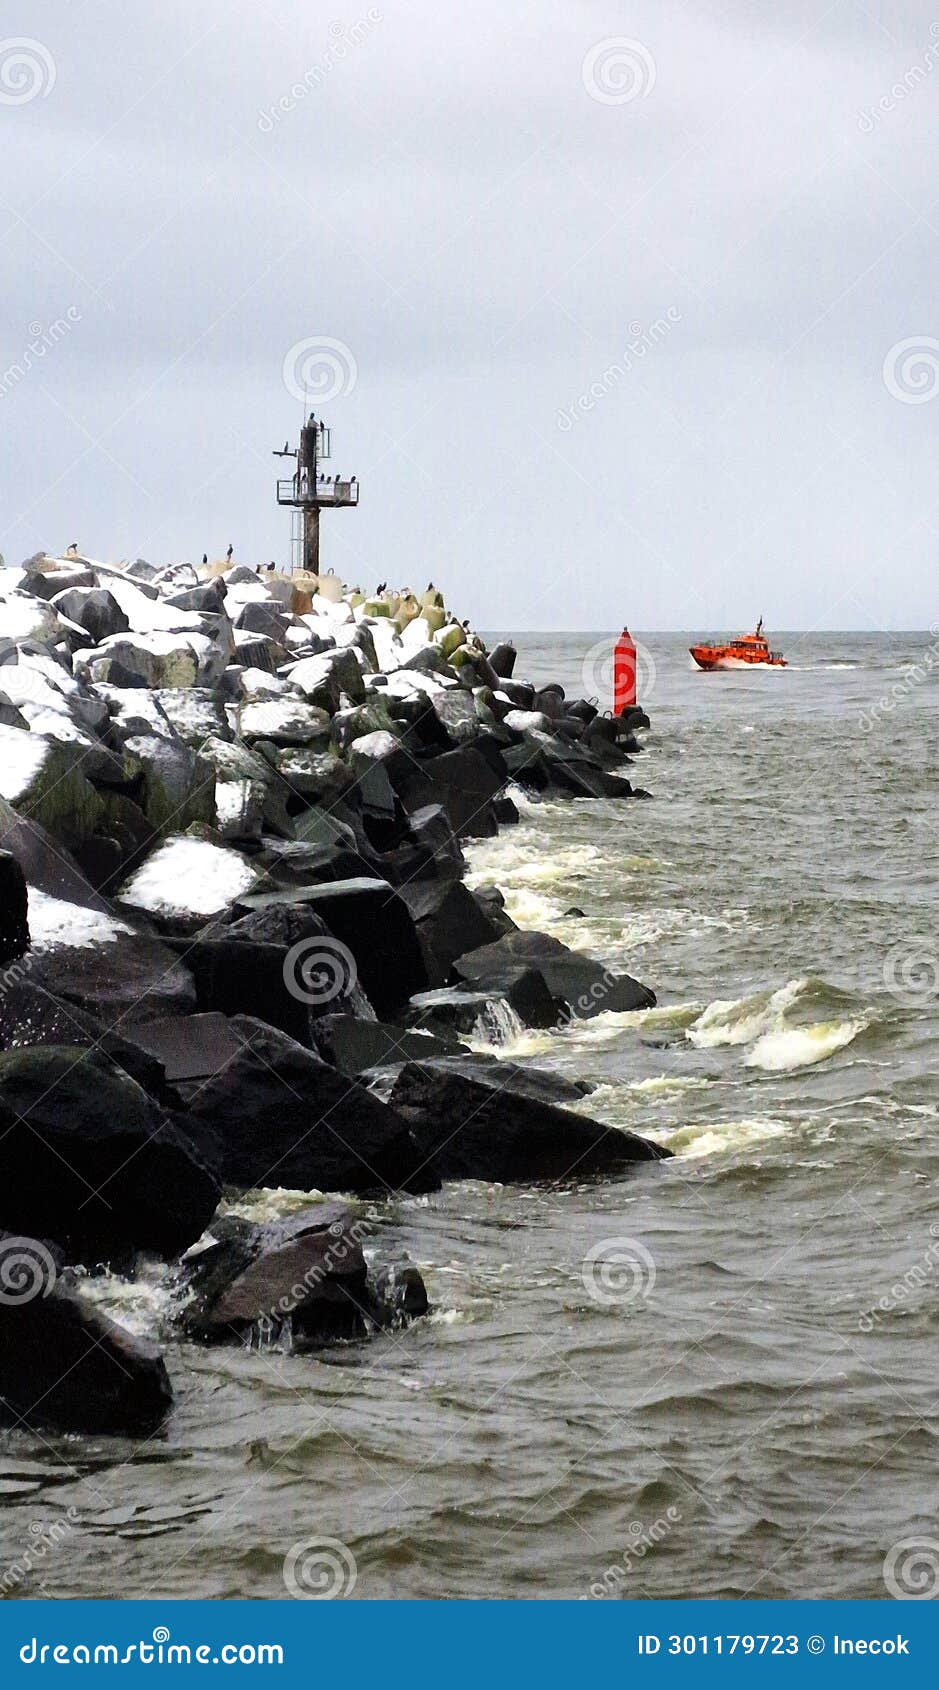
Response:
column 284, row 721
column 186, row 881
column 54, row 922
column 26, row 618
column 44, row 780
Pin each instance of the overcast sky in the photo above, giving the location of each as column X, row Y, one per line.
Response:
column 606, row 303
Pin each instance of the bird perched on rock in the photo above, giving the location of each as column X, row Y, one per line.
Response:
column 229, row 552
column 72, row 550
column 205, row 557
column 271, row 565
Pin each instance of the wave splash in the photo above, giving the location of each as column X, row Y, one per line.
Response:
column 762, row 1021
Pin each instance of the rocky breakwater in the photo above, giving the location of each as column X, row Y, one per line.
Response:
column 237, row 951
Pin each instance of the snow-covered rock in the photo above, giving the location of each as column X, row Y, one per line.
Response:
column 44, row 780
column 287, row 721
column 188, row 881
column 175, row 786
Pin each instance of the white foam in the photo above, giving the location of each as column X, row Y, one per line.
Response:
column 800, row 1047
column 713, row 1138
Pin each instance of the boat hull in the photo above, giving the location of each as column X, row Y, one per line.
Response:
column 720, row 657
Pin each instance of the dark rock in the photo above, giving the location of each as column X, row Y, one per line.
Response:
column 301, row 1282
column 137, row 978
column 31, row 1016
column 66, row 1367
column 398, row 1295
column 449, row 920
column 586, row 985
column 633, row 716
column 355, row 1046
column 465, row 783
column 187, row 1047
column 505, row 810
column 372, row 921
column 206, row 599
column 259, row 617
column 280, row 1116
column 492, row 899
column 502, row 658
column 14, row 910
column 542, row 1085
column 88, row 1158
column 574, row 913
column 484, row 1128
column 94, row 609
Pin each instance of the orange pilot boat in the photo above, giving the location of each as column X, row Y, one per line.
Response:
column 750, row 649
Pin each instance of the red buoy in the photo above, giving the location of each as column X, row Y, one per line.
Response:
column 624, row 673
